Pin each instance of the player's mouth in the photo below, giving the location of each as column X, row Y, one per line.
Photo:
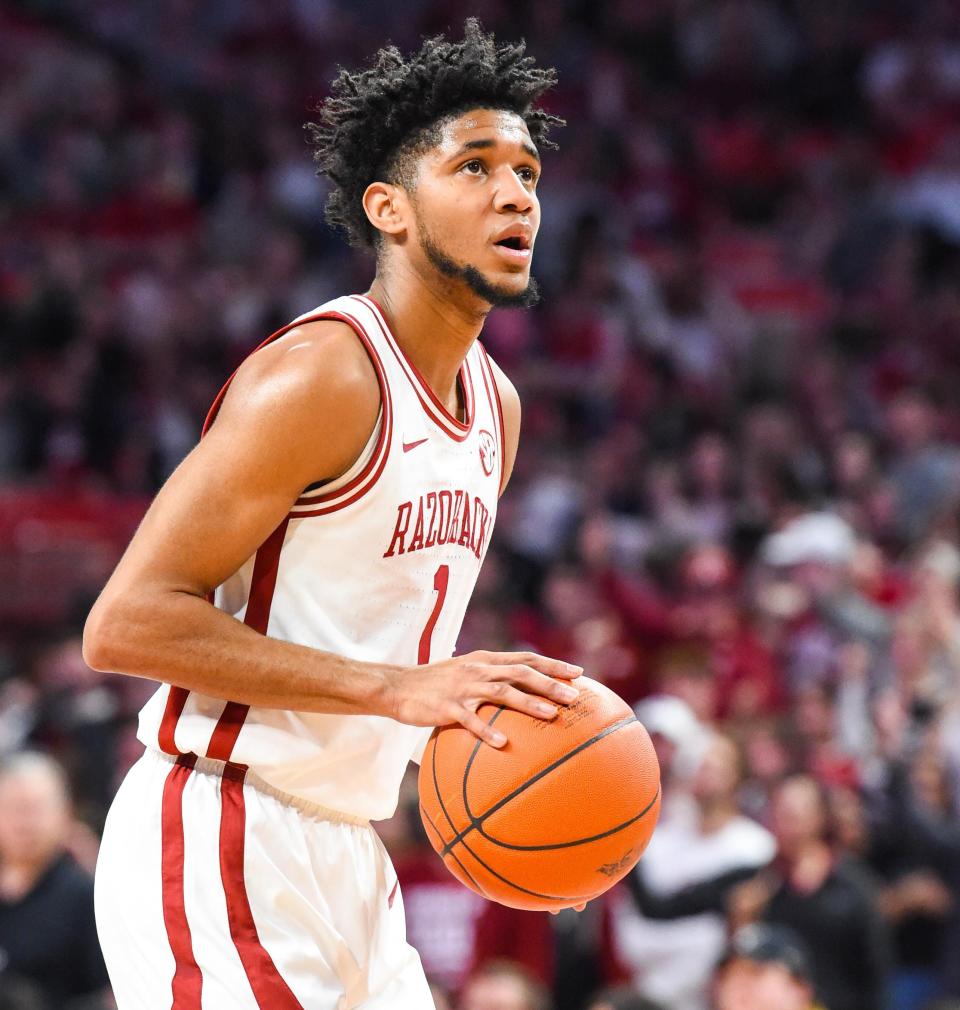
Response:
column 515, row 244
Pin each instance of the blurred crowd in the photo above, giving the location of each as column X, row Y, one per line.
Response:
column 737, row 498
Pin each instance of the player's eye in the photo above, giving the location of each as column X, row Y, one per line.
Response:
column 474, row 167
column 528, row 175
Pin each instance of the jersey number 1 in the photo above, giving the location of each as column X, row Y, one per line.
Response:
column 440, row 579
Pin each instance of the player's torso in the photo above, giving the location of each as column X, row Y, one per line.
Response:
column 378, row 566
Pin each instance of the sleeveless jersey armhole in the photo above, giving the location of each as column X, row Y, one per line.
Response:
column 367, row 468
column 366, row 455
column 364, row 473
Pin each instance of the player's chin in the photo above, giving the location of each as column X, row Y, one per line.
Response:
column 507, row 291
column 513, row 281
column 510, row 277
column 503, row 289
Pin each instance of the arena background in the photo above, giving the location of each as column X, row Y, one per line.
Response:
column 739, row 475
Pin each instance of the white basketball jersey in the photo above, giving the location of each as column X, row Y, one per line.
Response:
column 378, row 565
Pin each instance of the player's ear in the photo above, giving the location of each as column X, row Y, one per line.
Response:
column 385, row 206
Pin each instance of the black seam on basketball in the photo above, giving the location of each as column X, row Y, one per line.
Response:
column 446, row 852
column 429, row 823
column 461, row 835
column 457, row 835
column 516, row 887
column 476, row 747
column 467, row 873
column 443, row 807
column 576, row 841
column 476, row 822
column 436, row 788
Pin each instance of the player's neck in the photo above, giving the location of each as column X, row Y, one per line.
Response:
column 434, row 332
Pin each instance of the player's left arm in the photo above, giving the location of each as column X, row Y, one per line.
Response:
column 510, row 402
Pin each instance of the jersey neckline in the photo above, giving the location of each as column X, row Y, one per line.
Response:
column 431, row 403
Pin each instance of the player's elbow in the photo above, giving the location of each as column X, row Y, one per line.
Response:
column 105, row 645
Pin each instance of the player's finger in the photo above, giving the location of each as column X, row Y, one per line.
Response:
column 535, row 682
column 472, row 722
column 502, row 693
column 551, row 667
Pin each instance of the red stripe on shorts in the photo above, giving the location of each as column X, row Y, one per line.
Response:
column 187, row 979
column 263, row 582
column 269, row 988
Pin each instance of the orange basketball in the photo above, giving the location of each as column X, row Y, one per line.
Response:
column 555, row 817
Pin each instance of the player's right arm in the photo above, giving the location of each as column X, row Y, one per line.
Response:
column 298, row 411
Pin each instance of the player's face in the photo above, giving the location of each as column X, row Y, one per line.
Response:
column 476, row 206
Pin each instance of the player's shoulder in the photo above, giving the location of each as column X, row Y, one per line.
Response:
column 312, row 392
column 317, row 366
column 324, row 351
column 509, row 397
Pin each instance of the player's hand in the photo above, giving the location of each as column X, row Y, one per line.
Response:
column 451, row 690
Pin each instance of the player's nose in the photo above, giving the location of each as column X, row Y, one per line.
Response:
column 510, row 194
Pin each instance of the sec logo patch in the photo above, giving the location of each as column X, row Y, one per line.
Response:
column 488, row 451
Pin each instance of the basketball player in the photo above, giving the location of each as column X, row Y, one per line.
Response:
column 299, row 583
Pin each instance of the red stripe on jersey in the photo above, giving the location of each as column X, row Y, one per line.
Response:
column 432, row 406
column 488, row 368
column 187, row 979
column 269, row 988
column 224, row 736
column 176, row 699
column 263, row 582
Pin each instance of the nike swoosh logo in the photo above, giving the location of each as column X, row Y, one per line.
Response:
column 407, row 446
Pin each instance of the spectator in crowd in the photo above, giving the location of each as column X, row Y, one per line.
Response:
column 764, row 968
column 671, row 962
column 47, row 930
column 441, row 998
column 503, row 985
column 828, row 902
column 16, row 994
column 915, row 846
column 680, row 741
column 621, row 998
column 925, row 472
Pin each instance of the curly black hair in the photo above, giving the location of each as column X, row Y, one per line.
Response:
column 376, row 121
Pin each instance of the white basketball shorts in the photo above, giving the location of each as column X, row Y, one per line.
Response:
column 215, row 893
